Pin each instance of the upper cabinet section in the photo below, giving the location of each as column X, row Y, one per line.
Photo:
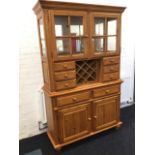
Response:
column 78, row 31
column 70, row 34
column 104, row 34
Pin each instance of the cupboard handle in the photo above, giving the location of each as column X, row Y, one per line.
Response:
column 89, row 119
column 95, row 117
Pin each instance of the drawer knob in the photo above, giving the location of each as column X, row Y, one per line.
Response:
column 112, row 69
column 65, row 66
column 89, row 119
column 111, row 77
column 112, row 61
column 74, row 99
column 66, row 85
column 66, row 76
column 107, row 91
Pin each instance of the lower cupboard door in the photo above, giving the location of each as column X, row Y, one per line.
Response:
column 74, row 122
column 105, row 112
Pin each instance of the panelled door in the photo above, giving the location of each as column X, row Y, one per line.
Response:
column 74, row 122
column 105, row 112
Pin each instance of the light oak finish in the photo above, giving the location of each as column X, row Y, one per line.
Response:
column 81, row 75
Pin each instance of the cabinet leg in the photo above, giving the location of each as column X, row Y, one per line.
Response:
column 58, row 151
column 118, row 126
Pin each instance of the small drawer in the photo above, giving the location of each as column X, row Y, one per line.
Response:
column 110, row 76
column 65, row 84
column 110, row 60
column 70, row 99
column 111, row 68
column 65, row 75
column 106, row 91
column 63, row 66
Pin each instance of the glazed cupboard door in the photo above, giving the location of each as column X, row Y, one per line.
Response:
column 74, row 122
column 105, row 34
column 69, row 34
column 105, row 112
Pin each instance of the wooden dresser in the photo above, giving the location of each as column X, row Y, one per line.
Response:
column 80, row 53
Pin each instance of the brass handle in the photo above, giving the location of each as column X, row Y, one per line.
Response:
column 89, row 119
column 74, row 99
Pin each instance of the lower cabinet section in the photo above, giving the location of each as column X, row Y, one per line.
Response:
column 83, row 119
column 74, row 122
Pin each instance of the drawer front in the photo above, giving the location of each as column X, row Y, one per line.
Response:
column 110, row 76
column 111, row 68
column 63, row 66
column 65, row 75
column 70, row 99
column 106, row 91
column 111, row 60
column 65, row 84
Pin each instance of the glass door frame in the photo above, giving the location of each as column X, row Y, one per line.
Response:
column 71, row 13
column 105, row 16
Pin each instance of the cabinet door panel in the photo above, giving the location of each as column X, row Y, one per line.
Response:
column 105, row 33
column 105, row 112
column 70, row 34
column 74, row 122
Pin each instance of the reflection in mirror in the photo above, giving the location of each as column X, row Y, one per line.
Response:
column 62, row 46
column 112, row 26
column 61, row 25
column 99, row 44
column 99, row 26
column 77, row 45
column 76, row 25
column 111, row 43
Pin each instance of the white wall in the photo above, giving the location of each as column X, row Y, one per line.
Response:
column 30, row 64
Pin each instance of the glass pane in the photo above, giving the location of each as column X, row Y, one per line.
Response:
column 77, row 45
column 76, row 26
column 41, row 28
column 99, row 44
column 61, row 25
column 111, row 43
column 112, row 26
column 99, row 26
column 43, row 46
column 62, row 46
